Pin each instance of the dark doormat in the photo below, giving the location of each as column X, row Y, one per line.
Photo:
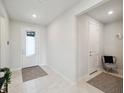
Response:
column 107, row 83
column 33, row 72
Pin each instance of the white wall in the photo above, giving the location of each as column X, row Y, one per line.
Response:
column 62, row 47
column 15, row 43
column 62, row 40
column 83, row 44
column 112, row 45
column 3, row 11
column 4, row 36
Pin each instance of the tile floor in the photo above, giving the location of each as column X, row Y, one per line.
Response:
column 52, row 83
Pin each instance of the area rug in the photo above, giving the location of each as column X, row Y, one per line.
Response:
column 33, row 72
column 107, row 83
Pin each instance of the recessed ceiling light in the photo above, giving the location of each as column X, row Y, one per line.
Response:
column 34, row 15
column 110, row 12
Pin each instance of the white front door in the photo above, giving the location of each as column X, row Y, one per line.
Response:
column 29, row 53
column 93, row 46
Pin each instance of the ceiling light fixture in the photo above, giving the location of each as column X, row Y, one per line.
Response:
column 34, row 16
column 110, row 12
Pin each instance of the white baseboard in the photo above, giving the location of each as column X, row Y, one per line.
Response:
column 15, row 69
column 42, row 65
column 87, row 76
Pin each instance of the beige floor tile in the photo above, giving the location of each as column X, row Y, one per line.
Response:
column 52, row 83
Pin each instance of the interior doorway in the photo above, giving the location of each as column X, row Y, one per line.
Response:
column 93, row 46
column 99, row 33
column 89, row 38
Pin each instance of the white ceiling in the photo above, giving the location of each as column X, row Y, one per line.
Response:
column 46, row 10
column 100, row 13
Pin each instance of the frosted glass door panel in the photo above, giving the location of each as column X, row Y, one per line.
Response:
column 30, row 45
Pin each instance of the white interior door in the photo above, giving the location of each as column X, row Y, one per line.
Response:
column 93, row 46
column 29, row 53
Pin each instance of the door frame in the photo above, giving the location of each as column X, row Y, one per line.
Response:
column 92, row 21
column 77, row 14
column 24, row 29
